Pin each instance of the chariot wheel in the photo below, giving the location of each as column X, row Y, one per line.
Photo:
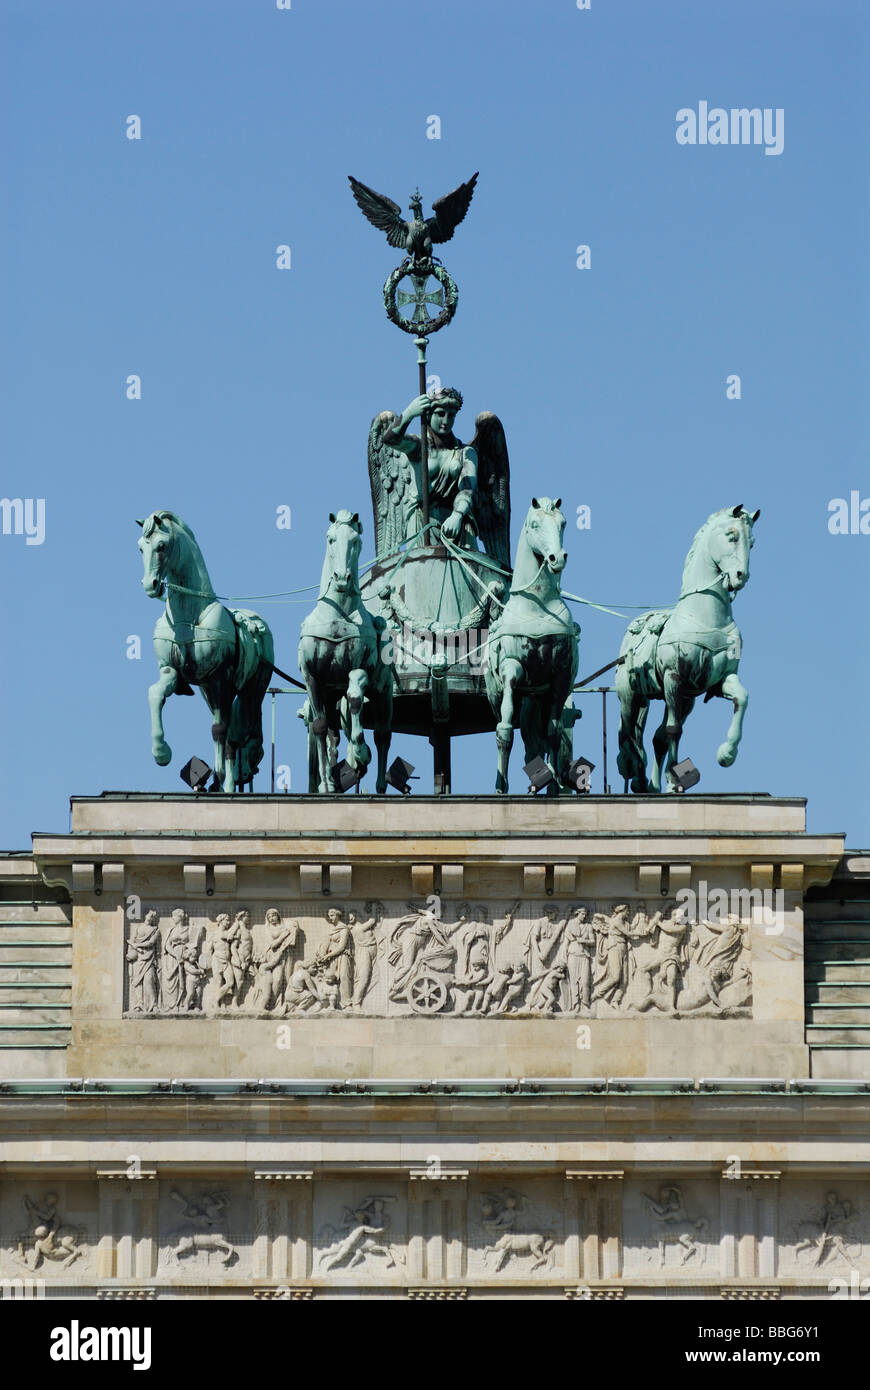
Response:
column 427, row 994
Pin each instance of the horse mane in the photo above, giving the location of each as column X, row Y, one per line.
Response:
column 151, row 523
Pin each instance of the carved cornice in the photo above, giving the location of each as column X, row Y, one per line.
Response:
column 749, row 1293
column 283, row 1175
column 127, row 1295
column 284, row 1293
column 595, row 1293
column 437, row 1295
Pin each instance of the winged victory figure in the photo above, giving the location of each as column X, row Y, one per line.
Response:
column 416, row 236
column 469, row 484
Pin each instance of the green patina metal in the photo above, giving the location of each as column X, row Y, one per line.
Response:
column 448, row 504
column 533, row 649
column 227, row 652
column 342, row 662
column 693, row 649
column 441, row 637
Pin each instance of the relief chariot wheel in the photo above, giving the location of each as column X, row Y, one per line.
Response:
column 427, row 995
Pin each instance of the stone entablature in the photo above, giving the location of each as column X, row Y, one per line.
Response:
column 550, row 936
column 527, row 1230
column 435, row 1197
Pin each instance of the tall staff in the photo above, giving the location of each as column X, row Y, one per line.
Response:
column 416, row 237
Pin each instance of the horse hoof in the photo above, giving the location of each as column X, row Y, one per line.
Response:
column 162, row 754
column 725, row 756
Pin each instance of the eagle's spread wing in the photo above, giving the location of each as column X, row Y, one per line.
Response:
column 394, row 488
column 493, row 488
column 383, row 213
column 449, row 211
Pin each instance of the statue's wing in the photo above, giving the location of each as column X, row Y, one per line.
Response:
column 493, row 488
column 382, row 212
column 392, row 482
column 449, row 211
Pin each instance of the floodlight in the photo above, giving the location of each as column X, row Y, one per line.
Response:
column 539, row 775
column 344, row 776
column 579, row 774
column 196, row 773
column 399, row 775
column 685, row 775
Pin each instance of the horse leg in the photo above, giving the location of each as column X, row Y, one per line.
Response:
column 383, row 732
column 678, row 707
column 560, row 691
column 158, row 694
column 734, row 691
column 318, row 725
column 511, row 674
column 358, row 752
column 219, row 695
column 249, row 721
column 660, row 752
column 631, row 760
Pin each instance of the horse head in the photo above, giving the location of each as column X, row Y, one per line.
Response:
column 158, row 545
column 544, row 529
column 730, row 542
column 343, row 543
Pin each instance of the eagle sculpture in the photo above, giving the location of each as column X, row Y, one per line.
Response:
column 417, row 236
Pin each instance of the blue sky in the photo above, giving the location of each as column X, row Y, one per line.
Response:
column 157, row 257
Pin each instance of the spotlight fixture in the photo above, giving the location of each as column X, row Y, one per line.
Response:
column 344, row 776
column 399, row 775
column 579, row 774
column 685, row 775
column 196, row 773
column 539, row 775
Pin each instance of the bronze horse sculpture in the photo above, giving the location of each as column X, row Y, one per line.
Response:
column 694, row 649
column 532, row 653
column 197, row 641
column 343, row 663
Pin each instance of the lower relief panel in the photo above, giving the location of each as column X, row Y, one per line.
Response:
column 295, row 1235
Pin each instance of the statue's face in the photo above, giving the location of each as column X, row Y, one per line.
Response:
column 333, row 916
column 442, row 418
column 351, row 919
column 272, row 917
